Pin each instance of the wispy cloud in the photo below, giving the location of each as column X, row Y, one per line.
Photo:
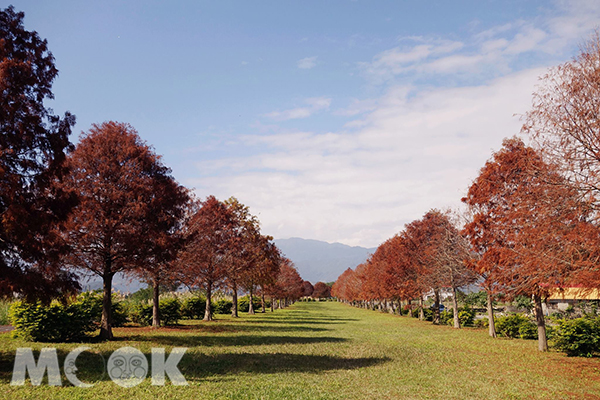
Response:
column 313, row 104
column 307, row 63
column 410, row 149
column 492, row 51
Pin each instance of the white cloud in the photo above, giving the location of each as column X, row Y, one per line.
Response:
column 415, row 151
column 314, row 104
column 411, row 149
column 491, row 51
column 307, row 63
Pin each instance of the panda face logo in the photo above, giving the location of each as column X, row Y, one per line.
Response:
column 127, row 367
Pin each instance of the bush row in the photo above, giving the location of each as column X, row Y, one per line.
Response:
column 74, row 321
column 62, row 322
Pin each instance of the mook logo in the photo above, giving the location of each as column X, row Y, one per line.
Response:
column 127, row 367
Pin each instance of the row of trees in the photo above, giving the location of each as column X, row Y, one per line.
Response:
column 531, row 226
column 109, row 204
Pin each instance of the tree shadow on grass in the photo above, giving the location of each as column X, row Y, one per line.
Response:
column 196, row 366
column 202, row 366
column 300, row 320
column 242, row 340
column 219, row 327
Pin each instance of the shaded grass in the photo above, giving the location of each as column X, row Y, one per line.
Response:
column 329, row 351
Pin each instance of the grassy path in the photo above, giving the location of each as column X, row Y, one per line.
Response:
column 330, row 351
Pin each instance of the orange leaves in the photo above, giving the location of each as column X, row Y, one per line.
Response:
column 532, row 231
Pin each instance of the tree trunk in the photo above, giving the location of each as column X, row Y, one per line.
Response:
column 421, row 313
column 280, row 304
column 155, row 303
column 106, row 321
column 436, row 307
column 541, row 324
column 272, row 306
column 262, row 300
column 234, row 302
column 251, row 305
column 455, row 306
column 208, row 311
column 490, row 311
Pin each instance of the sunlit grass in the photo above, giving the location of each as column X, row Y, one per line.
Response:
column 329, row 351
column 4, row 307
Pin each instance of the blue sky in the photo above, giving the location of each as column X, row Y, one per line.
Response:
column 332, row 120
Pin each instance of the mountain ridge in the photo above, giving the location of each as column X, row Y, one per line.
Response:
column 317, row 260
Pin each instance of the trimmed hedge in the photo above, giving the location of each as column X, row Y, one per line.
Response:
column 516, row 326
column 193, row 307
column 58, row 322
column 578, row 337
column 223, row 306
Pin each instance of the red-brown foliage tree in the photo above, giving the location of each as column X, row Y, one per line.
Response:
column 263, row 267
column 321, row 291
column 341, row 288
column 423, row 234
column 401, row 269
column 565, row 118
column 33, row 142
column 243, row 255
column 288, row 286
column 210, row 236
column 533, row 228
column 307, row 288
column 117, row 179
column 164, row 236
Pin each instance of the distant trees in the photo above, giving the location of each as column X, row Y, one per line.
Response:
column 209, row 235
column 427, row 256
column 533, row 212
column 243, row 255
column 321, row 291
column 307, row 289
column 33, row 143
column 287, row 288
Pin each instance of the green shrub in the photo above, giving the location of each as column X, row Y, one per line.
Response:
column 466, row 316
column 244, row 303
column 428, row 313
column 578, row 337
column 528, row 330
column 169, row 311
column 58, row 322
column 510, row 325
column 481, row 323
column 223, row 306
column 54, row 323
column 94, row 301
column 141, row 314
column 447, row 317
column 193, row 307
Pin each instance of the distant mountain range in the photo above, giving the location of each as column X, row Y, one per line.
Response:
column 316, row 261
column 321, row 261
column 120, row 283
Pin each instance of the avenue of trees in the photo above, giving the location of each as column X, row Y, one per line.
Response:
column 531, row 226
column 109, row 204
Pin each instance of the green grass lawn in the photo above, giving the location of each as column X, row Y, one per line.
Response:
column 328, row 351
